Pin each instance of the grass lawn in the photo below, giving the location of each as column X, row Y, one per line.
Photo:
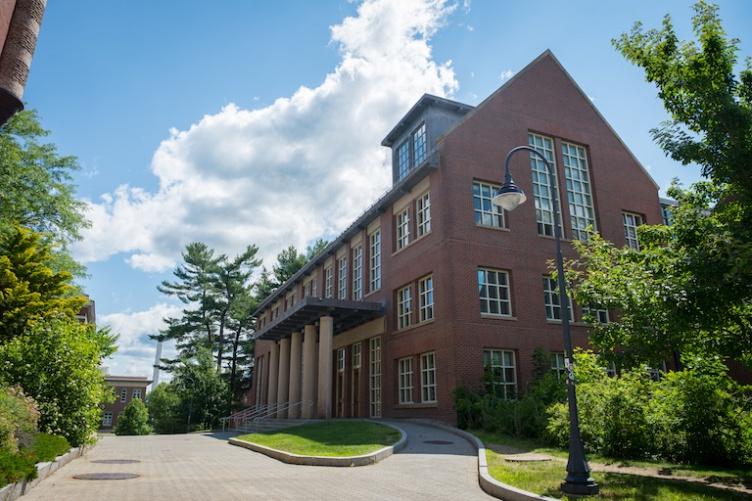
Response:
column 545, row 477
column 328, row 438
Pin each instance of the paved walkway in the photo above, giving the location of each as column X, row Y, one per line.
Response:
column 205, row 467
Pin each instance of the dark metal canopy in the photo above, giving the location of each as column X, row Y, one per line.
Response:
column 346, row 315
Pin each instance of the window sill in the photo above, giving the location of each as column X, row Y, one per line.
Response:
column 417, row 405
column 414, row 326
column 494, row 228
column 412, row 242
column 372, row 293
column 497, row 317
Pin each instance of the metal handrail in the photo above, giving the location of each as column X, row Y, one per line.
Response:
column 246, row 414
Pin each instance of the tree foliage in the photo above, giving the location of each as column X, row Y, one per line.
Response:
column 30, row 289
column 203, row 393
column 164, row 409
column 134, row 420
column 57, row 363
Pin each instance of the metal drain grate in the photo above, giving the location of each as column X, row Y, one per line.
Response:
column 438, row 442
column 105, row 476
column 115, row 461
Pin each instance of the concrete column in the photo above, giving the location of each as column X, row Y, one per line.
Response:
column 295, row 354
column 273, row 368
column 309, row 371
column 326, row 333
column 283, row 381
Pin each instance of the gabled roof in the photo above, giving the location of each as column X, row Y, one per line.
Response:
column 548, row 54
column 424, row 102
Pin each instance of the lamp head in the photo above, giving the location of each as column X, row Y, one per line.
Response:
column 510, row 196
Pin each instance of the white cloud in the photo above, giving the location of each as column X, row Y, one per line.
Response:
column 506, row 75
column 302, row 167
column 135, row 355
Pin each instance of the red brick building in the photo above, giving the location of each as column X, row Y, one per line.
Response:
column 125, row 388
column 433, row 282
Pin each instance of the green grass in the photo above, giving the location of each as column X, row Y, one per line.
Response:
column 329, row 438
column 714, row 474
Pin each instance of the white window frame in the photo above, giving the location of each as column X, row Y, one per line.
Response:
column 403, row 159
column 552, row 300
column 425, row 299
column 342, row 278
column 403, row 228
column 504, row 363
column 579, row 189
column 374, row 376
column 374, row 241
column 107, row 418
column 136, row 393
column 341, row 360
column 485, row 212
column 494, row 290
column 632, row 221
column 357, row 356
column 558, row 366
column 405, row 366
column 357, row 278
column 428, row 378
column 123, row 395
column 423, row 214
column 420, row 144
column 404, row 307
column 542, row 193
column 329, row 282
column 600, row 315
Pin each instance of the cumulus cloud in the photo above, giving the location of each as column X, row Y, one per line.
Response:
column 135, row 355
column 301, row 168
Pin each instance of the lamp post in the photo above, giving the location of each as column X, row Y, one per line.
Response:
column 509, row 197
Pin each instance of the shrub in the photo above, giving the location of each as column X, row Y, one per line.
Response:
column 57, row 363
column 164, row 409
column 46, row 447
column 134, row 420
column 15, row 466
column 18, row 418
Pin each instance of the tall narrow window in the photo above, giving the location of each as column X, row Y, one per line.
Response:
column 423, row 214
column 631, row 222
column 542, row 191
column 428, row 377
column 579, row 191
column 403, row 228
column 374, row 379
column 485, row 211
column 356, row 356
column 357, row 285
column 375, row 268
column 342, row 278
column 420, row 148
column 501, row 372
column 557, row 365
column 403, row 160
column 493, row 289
column 123, row 394
column 340, row 360
column 404, row 307
column 552, row 301
column 425, row 298
column 329, row 282
column 406, row 380
column 136, row 393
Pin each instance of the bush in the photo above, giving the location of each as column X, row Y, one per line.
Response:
column 134, row 420
column 46, row 447
column 57, row 363
column 15, row 466
column 18, row 418
column 164, row 409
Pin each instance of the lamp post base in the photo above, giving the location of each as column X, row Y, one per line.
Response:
column 586, row 488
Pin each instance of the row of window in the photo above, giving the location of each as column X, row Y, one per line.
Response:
column 427, row 379
column 405, row 303
column 412, row 151
column 403, row 228
column 136, row 393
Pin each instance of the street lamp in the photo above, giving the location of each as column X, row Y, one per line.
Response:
column 509, row 197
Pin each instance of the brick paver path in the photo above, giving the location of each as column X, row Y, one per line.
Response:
column 205, row 467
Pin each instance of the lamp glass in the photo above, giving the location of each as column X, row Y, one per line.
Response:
column 510, row 199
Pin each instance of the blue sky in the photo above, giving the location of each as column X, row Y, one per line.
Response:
column 193, row 123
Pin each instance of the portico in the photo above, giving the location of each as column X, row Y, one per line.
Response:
column 301, row 358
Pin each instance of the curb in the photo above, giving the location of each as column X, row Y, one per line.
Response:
column 11, row 492
column 298, row 459
column 489, row 484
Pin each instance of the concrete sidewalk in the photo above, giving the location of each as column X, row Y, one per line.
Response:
column 205, row 467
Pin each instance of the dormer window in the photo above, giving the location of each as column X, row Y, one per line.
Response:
column 420, row 148
column 403, row 160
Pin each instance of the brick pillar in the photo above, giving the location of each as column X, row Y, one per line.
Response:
column 273, row 373
column 326, row 333
column 283, row 381
column 309, row 371
column 295, row 353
